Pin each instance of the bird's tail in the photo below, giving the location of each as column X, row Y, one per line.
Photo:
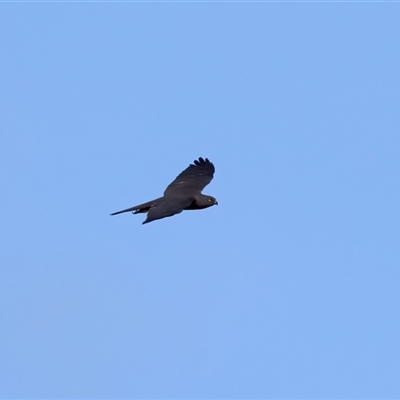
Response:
column 141, row 208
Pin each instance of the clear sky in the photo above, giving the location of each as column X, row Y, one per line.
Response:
column 289, row 288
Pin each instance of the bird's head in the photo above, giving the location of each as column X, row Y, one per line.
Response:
column 206, row 201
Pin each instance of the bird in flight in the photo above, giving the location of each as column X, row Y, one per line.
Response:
column 184, row 193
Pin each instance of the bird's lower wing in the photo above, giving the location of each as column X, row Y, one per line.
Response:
column 166, row 208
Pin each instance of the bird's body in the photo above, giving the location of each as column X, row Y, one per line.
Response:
column 184, row 193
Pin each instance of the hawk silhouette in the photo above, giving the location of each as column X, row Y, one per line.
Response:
column 184, row 193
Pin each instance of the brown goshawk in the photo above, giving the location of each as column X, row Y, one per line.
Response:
column 184, row 193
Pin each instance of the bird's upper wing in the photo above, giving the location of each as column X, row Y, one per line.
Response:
column 194, row 178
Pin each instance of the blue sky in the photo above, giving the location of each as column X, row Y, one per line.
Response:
column 288, row 289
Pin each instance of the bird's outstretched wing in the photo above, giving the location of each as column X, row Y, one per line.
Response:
column 193, row 179
column 166, row 208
